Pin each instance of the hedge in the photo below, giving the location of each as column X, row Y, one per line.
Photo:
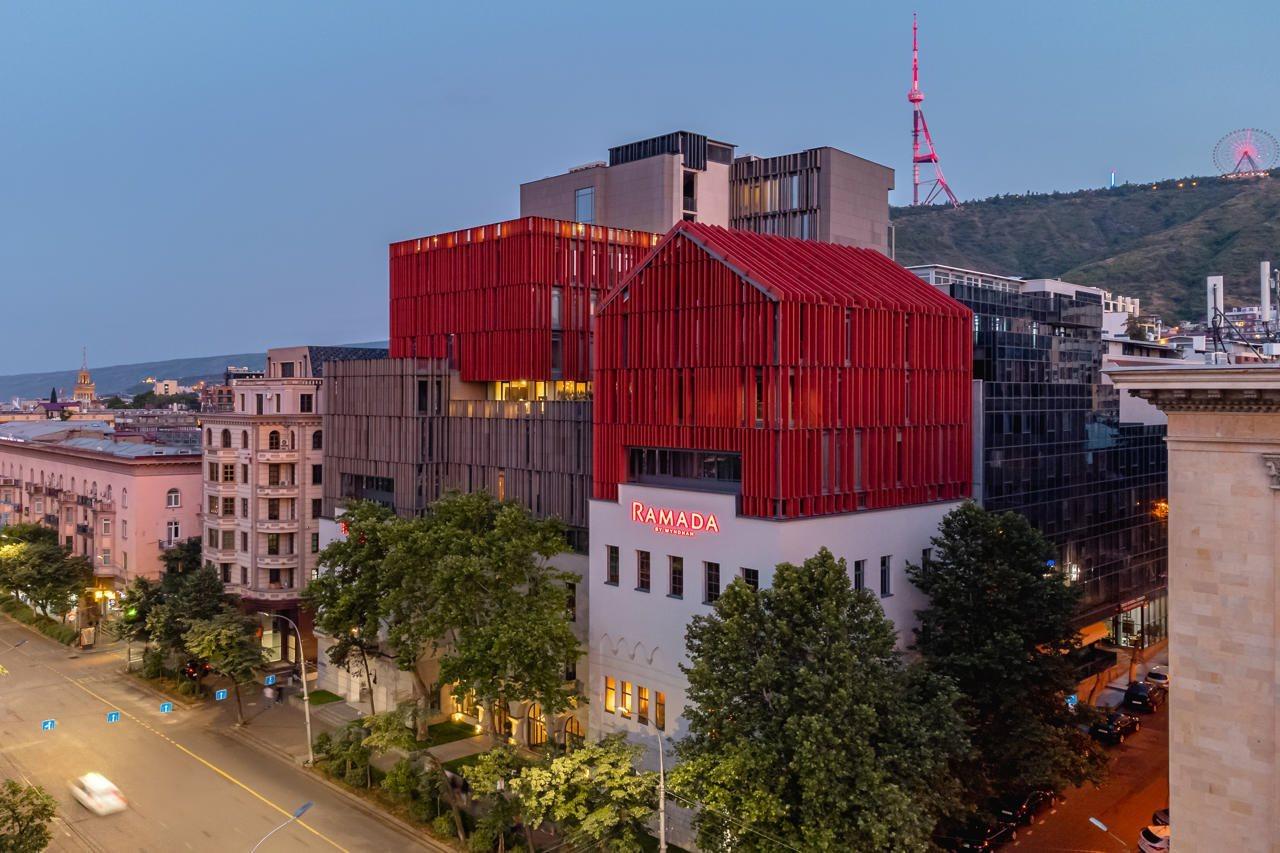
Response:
column 52, row 628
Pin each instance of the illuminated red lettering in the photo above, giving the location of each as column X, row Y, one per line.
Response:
column 712, row 526
column 637, row 511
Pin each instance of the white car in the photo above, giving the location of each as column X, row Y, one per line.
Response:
column 1158, row 675
column 96, row 793
column 1154, row 839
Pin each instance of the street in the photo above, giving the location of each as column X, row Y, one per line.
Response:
column 1137, row 785
column 190, row 786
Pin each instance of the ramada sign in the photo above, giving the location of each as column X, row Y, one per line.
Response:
column 676, row 522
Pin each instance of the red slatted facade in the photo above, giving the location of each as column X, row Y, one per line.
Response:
column 865, row 398
column 490, row 289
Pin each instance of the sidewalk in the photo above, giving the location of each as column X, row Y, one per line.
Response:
column 1113, row 694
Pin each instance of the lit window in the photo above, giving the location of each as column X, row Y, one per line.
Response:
column 611, row 568
column 675, row 583
column 610, row 694
column 624, row 703
column 711, row 582
column 660, row 709
column 642, row 571
column 642, row 712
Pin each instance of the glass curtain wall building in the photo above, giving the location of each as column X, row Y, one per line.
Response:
column 1054, row 449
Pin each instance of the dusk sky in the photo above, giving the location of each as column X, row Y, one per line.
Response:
column 192, row 179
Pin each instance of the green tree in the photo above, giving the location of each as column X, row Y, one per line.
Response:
column 183, row 599
column 28, row 555
column 390, row 730
column 183, row 557
column 136, row 603
column 807, row 727
column 471, row 583
column 999, row 624
column 59, row 584
column 347, row 593
column 229, row 643
column 1134, row 329
column 25, row 813
column 594, row 794
column 491, row 779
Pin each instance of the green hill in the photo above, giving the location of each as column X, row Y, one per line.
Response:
column 1157, row 242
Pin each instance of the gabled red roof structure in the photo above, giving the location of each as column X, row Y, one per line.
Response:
column 840, row 378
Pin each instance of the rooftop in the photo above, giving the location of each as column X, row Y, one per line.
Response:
column 87, row 437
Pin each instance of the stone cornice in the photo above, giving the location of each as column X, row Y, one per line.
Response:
column 1234, row 401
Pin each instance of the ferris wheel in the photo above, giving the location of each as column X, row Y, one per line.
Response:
column 1248, row 151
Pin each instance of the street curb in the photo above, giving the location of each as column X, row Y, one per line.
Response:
column 34, row 630
column 257, row 743
column 160, row 694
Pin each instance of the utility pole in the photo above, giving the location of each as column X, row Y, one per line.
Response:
column 662, row 796
column 302, row 669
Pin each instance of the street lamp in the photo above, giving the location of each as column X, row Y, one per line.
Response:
column 297, row 813
column 306, row 697
column 1103, row 827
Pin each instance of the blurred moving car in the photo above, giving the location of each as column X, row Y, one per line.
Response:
column 1161, row 817
column 1143, row 696
column 1154, row 839
column 1115, row 727
column 1023, row 810
column 976, row 834
column 96, row 793
column 1158, row 675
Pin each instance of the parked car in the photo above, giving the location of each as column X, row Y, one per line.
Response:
column 1143, row 696
column 1161, row 818
column 1154, row 839
column 1158, row 675
column 1023, row 809
column 976, row 834
column 1115, row 727
column 96, row 793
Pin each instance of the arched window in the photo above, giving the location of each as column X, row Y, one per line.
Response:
column 73, row 485
column 124, row 498
column 244, row 439
column 108, row 493
column 173, row 498
column 208, row 437
column 273, row 440
column 226, row 438
column 93, row 492
column 317, row 440
column 293, row 440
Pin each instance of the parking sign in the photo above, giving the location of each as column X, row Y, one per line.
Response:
column 48, row 725
column 270, row 680
column 219, row 695
column 113, row 716
column 166, row 707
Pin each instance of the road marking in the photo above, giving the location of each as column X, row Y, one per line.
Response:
column 224, row 774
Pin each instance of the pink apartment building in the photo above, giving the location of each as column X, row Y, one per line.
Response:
column 119, row 501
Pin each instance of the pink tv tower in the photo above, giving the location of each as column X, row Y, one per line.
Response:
column 920, row 132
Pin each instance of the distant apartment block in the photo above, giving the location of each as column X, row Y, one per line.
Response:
column 818, row 194
column 119, row 501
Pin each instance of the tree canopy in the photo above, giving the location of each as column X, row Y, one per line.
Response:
column 25, row 813
column 228, row 642
column 808, row 727
column 999, row 624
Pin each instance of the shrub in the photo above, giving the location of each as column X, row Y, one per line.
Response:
column 322, row 744
column 443, row 826
column 402, row 781
column 152, row 663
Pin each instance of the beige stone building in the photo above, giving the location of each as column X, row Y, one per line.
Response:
column 1224, row 600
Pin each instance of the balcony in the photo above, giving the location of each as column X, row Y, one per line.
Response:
column 219, row 488
column 84, row 530
column 166, row 544
column 277, row 525
column 222, row 522
column 221, row 454
column 561, row 410
column 218, row 554
column 251, row 593
column 273, row 490
column 278, row 561
column 284, row 454
column 8, row 481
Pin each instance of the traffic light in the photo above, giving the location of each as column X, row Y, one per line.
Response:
column 131, row 613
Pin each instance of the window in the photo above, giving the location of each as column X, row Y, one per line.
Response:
column 886, row 581
column 244, row 439
column 315, row 542
column 244, row 541
column 610, row 694
column 106, row 556
column 642, row 571
column 926, row 557
column 228, row 540
column 642, row 706
column 226, row 438
column 124, row 498
column 124, row 531
column 229, row 507
column 710, row 582
column 624, row 700
column 273, row 544
column 317, row 440
column 675, row 577
column 106, row 527
column 660, row 709
column 317, row 475
column 213, row 472
column 213, row 504
column 173, row 530
column 316, row 507
column 859, row 574
column 751, row 577
column 213, row 538
column 173, row 498
column 611, row 567
column 273, row 440
column 229, row 473
column 286, row 369
column 305, row 403
column 273, row 509
column 571, row 601
column 584, row 204
column 244, row 507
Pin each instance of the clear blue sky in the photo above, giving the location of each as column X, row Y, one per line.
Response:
column 184, row 179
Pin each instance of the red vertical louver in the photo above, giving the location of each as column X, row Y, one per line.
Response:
column 483, row 296
column 842, row 379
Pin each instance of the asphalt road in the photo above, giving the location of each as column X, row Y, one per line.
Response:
column 1137, row 785
column 190, row 786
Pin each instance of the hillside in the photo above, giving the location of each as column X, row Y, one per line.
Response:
column 1157, row 244
column 126, row 378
